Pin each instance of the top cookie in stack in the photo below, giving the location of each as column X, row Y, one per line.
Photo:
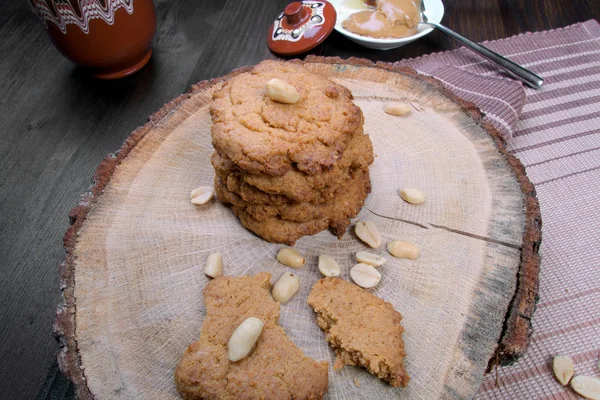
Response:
column 292, row 166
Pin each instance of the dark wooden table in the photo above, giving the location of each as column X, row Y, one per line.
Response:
column 57, row 124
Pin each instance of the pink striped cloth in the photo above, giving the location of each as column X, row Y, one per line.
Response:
column 555, row 131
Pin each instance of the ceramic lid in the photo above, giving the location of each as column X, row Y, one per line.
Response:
column 301, row 27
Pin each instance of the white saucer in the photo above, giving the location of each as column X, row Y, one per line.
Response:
column 435, row 10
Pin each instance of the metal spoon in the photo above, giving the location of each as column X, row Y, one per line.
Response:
column 515, row 70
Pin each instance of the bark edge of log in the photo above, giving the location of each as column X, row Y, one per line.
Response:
column 516, row 331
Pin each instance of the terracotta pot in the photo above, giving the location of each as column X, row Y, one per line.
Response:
column 111, row 38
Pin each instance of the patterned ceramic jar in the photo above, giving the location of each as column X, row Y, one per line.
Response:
column 110, row 37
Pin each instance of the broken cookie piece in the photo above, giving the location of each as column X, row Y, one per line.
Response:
column 274, row 369
column 363, row 329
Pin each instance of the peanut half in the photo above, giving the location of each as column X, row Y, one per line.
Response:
column 563, row 369
column 587, row 386
column 401, row 249
column 369, row 258
column 244, row 338
column 328, row 266
column 365, row 275
column 290, row 257
column 282, row 91
column 202, row 194
column 214, row 265
column 368, row 233
column 396, row 108
column 412, row 195
column 286, row 287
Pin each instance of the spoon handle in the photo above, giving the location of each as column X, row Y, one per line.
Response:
column 520, row 73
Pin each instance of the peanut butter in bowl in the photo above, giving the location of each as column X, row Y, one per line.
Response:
column 384, row 24
column 390, row 19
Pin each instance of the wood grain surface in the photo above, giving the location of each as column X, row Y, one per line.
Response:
column 135, row 252
column 57, row 125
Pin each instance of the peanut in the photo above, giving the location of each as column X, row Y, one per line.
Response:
column 563, row 369
column 369, row 258
column 587, row 386
column 214, row 265
column 368, row 233
column 412, row 195
column 286, row 287
column 401, row 249
column 290, row 257
column 397, row 109
column 365, row 275
column 244, row 338
column 328, row 266
column 282, row 91
column 202, row 194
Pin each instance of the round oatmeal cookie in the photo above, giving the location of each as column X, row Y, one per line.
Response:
column 300, row 186
column 252, row 195
column 346, row 203
column 249, row 193
column 273, row 227
column 261, row 135
column 277, row 230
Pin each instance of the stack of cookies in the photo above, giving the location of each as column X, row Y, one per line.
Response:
column 289, row 167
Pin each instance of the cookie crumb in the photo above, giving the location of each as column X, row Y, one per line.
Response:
column 356, row 382
column 338, row 364
column 332, row 92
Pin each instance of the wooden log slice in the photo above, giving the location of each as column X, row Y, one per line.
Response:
column 133, row 275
